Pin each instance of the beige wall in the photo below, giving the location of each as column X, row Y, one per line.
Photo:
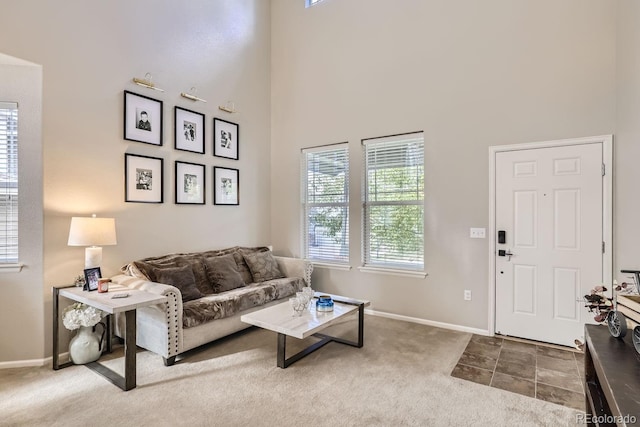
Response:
column 627, row 140
column 22, row 301
column 89, row 55
column 471, row 75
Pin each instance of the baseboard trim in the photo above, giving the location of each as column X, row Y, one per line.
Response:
column 443, row 325
column 26, row 363
column 451, row 326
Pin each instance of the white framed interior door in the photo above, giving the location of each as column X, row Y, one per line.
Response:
column 550, row 204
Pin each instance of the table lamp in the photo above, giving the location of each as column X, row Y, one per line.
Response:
column 92, row 232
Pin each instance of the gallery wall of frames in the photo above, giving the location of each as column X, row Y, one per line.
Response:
column 144, row 175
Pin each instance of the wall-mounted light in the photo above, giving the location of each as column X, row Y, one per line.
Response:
column 229, row 107
column 146, row 82
column 191, row 95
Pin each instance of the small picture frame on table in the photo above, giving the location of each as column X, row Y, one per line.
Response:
column 91, row 276
column 190, row 183
column 226, row 139
column 189, row 130
column 143, row 179
column 226, row 186
column 142, row 118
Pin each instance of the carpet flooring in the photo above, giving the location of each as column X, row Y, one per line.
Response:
column 401, row 377
column 537, row 371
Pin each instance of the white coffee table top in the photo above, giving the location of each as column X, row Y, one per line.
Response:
column 280, row 318
column 105, row 302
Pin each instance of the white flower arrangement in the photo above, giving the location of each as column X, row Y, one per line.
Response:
column 80, row 314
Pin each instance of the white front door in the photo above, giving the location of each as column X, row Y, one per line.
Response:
column 549, row 204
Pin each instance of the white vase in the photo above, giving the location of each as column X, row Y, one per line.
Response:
column 85, row 346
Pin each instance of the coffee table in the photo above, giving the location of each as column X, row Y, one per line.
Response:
column 279, row 318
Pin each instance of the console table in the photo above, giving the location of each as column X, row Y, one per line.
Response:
column 612, row 378
column 104, row 302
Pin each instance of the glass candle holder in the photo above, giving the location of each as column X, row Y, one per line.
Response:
column 324, row 303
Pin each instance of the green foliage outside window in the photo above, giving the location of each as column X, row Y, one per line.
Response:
column 396, row 220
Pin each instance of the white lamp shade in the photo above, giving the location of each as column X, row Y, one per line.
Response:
column 88, row 231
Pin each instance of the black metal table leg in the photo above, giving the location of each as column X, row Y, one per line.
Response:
column 282, row 348
column 56, row 331
column 127, row 382
column 130, row 350
column 284, row 362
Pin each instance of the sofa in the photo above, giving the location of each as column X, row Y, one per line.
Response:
column 207, row 293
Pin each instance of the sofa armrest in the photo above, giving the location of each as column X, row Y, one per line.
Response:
column 143, row 284
column 159, row 326
column 295, row 267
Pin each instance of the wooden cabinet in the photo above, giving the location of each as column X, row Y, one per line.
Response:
column 612, row 379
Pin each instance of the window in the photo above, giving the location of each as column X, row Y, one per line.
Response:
column 393, row 208
column 310, row 3
column 8, row 182
column 325, row 199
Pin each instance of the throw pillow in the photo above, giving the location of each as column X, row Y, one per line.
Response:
column 146, row 268
column 223, row 274
column 182, row 278
column 263, row 266
column 243, row 268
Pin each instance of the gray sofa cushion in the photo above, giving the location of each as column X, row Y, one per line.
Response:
column 225, row 304
column 182, row 278
column 144, row 268
column 263, row 266
column 223, row 274
column 149, row 267
column 243, row 268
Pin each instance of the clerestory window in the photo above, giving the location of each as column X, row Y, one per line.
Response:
column 310, row 3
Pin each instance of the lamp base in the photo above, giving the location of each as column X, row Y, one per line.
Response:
column 92, row 257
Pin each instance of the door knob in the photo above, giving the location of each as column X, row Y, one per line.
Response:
column 507, row 253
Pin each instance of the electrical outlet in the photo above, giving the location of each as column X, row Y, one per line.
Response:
column 467, row 295
column 477, row 233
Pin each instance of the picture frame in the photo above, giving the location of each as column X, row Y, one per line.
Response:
column 143, row 179
column 226, row 139
column 226, row 186
column 189, row 130
column 190, row 183
column 91, row 276
column 142, row 119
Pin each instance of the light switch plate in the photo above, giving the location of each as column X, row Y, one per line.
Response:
column 477, row 233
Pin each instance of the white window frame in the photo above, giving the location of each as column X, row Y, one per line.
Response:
column 9, row 190
column 307, row 205
column 414, row 269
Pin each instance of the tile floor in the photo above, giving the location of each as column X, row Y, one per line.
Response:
column 534, row 370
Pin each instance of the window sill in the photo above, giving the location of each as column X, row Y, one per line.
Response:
column 331, row 266
column 394, row 272
column 11, row 268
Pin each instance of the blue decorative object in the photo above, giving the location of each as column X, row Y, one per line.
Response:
column 324, row 303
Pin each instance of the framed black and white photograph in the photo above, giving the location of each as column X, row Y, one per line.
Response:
column 143, row 179
column 189, row 130
column 226, row 139
column 91, row 276
column 226, row 186
column 142, row 119
column 190, row 187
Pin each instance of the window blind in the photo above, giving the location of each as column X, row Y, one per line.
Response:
column 325, row 199
column 393, row 206
column 8, row 182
